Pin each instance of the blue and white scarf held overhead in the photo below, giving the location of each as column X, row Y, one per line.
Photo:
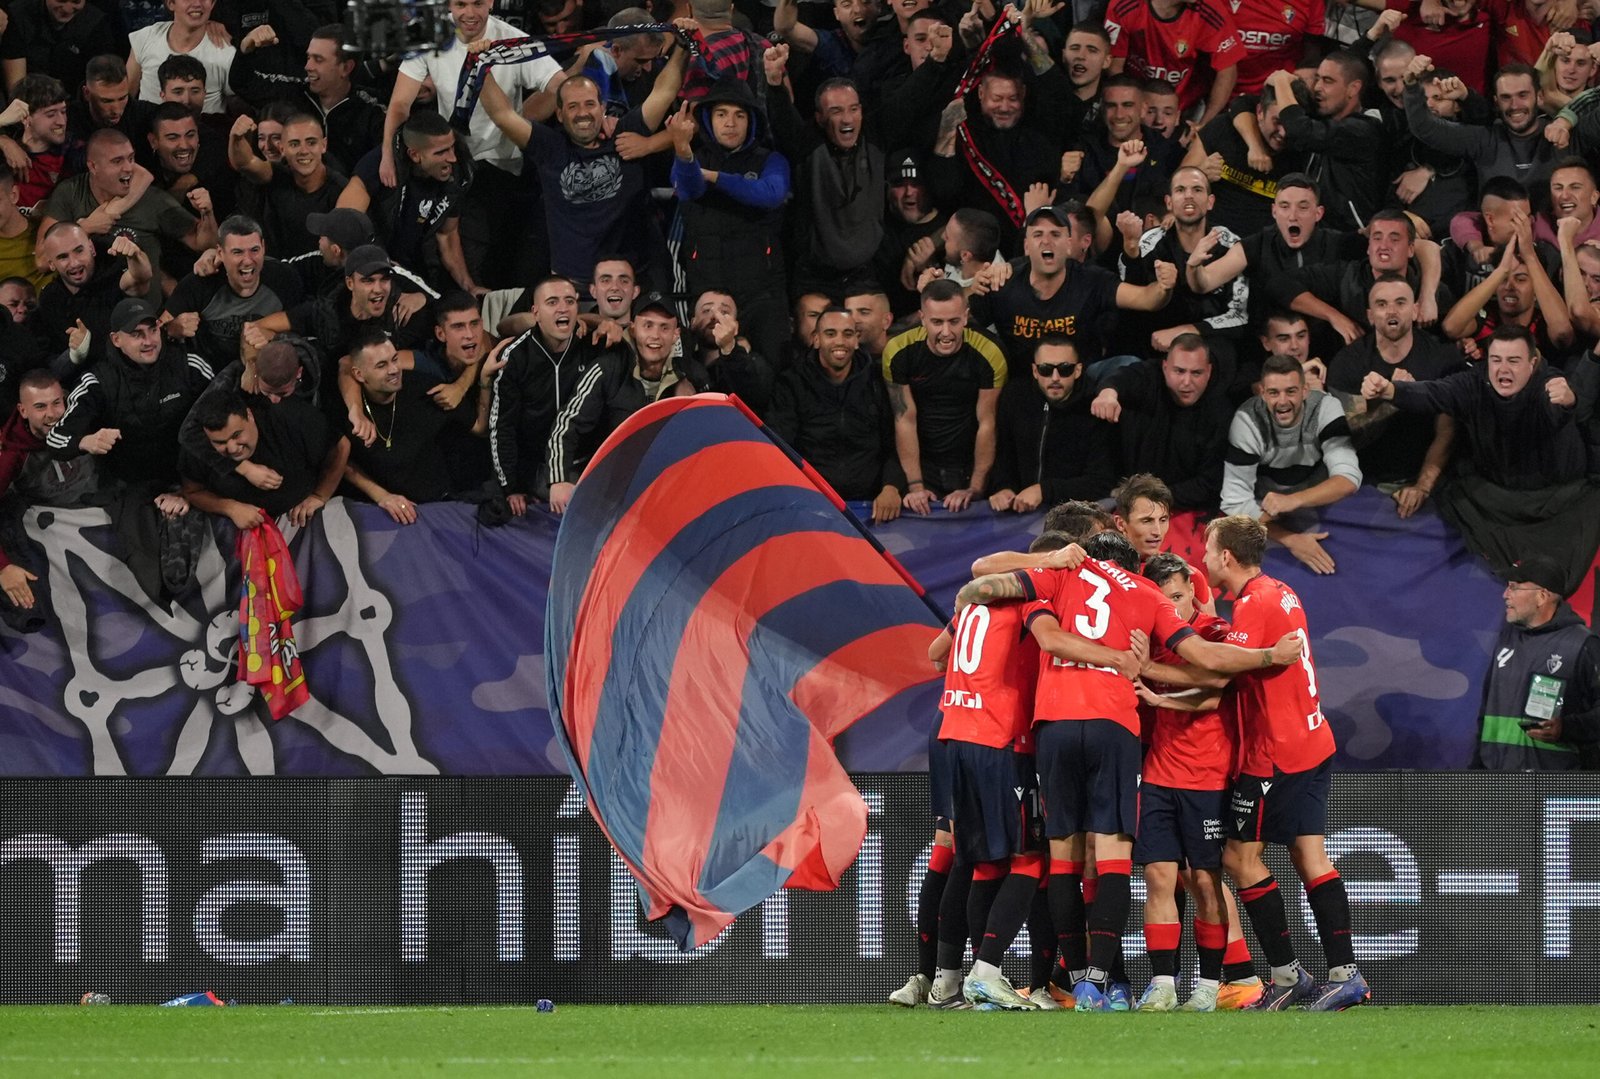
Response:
column 559, row 47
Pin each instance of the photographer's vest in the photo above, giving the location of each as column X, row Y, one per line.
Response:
column 1528, row 675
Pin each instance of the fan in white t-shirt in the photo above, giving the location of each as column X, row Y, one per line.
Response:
column 190, row 32
column 473, row 23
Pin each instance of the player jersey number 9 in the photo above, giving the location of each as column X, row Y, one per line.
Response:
column 1305, row 661
column 1095, row 604
column 970, row 632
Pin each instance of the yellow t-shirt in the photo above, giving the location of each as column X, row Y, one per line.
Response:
column 16, row 259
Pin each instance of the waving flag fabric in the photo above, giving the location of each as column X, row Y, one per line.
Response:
column 715, row 619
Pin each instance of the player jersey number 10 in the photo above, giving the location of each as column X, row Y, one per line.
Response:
column 970, row 632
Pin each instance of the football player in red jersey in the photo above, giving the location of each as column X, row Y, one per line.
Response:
column 992, row 663
column 1089, row 764
column 1281, row 792
column 1064, row 526
column 1183, row 800
column 1075, row 521
column 1144, row 515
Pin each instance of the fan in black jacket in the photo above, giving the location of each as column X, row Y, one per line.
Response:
column 731, row 186
column 832, row 407
column 130, row 406
column 1049, row 447
column 1172, row 419
column 541, row 373
column 619, row 383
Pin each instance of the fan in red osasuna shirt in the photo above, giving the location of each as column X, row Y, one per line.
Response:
column 1277, row 35
column 1166, row 40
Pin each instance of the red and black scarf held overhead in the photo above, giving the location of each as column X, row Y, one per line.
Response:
column 558, row 47
column 998, row 186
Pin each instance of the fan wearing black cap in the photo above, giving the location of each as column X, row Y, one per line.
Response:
column 1541, row 696
column 621, row 382
column 912, row 230
column 130, row 406
column 369, row 297
column 1061, row 293
column 339, row 232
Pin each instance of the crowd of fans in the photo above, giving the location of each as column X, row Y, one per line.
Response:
column 951, row 252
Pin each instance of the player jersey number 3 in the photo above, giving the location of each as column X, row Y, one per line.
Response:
column 1094, row 628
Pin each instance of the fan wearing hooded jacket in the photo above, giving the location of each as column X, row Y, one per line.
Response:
column 731, row 186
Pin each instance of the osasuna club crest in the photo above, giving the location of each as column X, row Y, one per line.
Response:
column 1288, row 15
column 1553, row 664
column 1183, row 47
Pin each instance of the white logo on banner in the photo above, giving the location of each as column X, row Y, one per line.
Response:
column 97, row 691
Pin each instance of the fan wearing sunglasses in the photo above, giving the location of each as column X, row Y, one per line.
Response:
column 1048, row 446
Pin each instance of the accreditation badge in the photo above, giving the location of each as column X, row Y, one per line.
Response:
column 1544, row 697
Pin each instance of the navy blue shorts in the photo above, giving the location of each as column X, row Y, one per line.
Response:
column 938, row 775
column 1088, row 776
column 1281, row 808
column 1180, row 826
column 996, row 801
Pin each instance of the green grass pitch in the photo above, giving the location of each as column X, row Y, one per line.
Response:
column 713, row 1041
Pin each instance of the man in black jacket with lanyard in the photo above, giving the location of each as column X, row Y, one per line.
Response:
column 1541, row 696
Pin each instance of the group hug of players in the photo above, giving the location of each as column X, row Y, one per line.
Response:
column 1051, row 795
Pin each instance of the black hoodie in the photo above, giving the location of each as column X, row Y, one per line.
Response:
column 1061, row 446
column 731, row 228
column 844, row 430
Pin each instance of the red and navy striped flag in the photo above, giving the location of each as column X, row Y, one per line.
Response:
column 715, row 619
